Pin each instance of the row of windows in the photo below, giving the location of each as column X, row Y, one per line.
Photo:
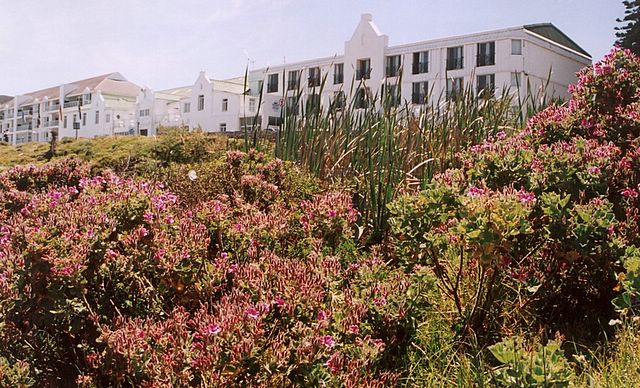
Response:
column 225, row 105
column 455, row 60
column 419, row 93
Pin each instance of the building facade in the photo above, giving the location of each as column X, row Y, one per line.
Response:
column 98, row 106
column 423, row 72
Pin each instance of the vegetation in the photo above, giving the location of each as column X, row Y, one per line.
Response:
column 513, row 261
column 629, row 34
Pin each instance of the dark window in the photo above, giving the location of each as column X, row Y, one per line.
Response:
column 391, row 95
column 339, row 100
column 201, row 102
column 454, row 87
column 272, row 83
column 454, row 58
column 293, row 82
column 393, row 66
column 275, row 121
column 362, row 98
column 314, row 77
column 486, row 54
column 292, row 105
column 313, row 103
column 420, row 62
column 364, row 69
column 419, row 92
column 486, row 85
column 338, row 73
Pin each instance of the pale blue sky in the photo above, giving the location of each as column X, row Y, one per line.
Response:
column 164, row 44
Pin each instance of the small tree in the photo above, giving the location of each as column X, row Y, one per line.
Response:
column 629, row 35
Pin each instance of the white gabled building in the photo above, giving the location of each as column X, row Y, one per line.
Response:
column 98, row 106
column 160, row 109
column 219, row 105
column 532, row 55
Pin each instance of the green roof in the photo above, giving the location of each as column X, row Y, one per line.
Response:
column 551, row 32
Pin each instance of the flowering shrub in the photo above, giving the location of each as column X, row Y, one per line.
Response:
column 113, row 281
column 542, row 224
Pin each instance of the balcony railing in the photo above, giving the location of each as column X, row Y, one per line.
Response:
column 71, row 104
column 486, row 60
column 25, row 127
column 454, row 63
column 53, row 107
column 420, row 67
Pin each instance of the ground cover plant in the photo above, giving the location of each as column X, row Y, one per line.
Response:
column 185, row 262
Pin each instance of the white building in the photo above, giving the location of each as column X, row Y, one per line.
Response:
column 160, row 109
column 98, row 106
column 488, row 61
column 210, row 105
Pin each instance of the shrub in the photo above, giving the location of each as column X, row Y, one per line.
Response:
column 540, row 224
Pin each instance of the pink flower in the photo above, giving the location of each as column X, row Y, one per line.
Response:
column 159, row 254
column 475, row 192
column 379, row 301
column 354, row 329
column 148, row 217
column 629, row 192
column 322, row 316
column 594, row 170
column 212, row 329
column 278, row 301
column 332, row 213
column 252, row 313
column 328, row 342
column 501, row 135
column 525, row 197
column 333, row 363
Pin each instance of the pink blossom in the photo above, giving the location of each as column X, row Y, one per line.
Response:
column 333, row 363
column 525, row 197
column 332, row 213
column 630, row 192
column 354, row 329
column 212, row 329
column 328, row 342
column 252, row 313
column 476, row 192
column 379, row 301
column 594, row 170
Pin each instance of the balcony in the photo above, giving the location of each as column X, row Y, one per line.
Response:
column 486, row 60
column 24, row 127
column 53, row 107
column 455, row 63
column 71, row 104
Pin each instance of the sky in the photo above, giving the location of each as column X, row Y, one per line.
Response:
column 163, row 44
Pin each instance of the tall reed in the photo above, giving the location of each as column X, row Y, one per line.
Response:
column 380, row 146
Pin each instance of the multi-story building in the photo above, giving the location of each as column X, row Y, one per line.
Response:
column 210, row 105
column 424, row 72
column 98, row 106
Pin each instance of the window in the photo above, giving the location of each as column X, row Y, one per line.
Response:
column 64, row 121
column 107, row 118
column 516, row 80
column 420, row 62
column 486, row 54
column 338, row 73
column 516, row 47
column 250, row 123
column 393, row 66
column 364, row 69
column 272, row 83
column 292, row 105
column 314, row 77
column 454, row 58
column 339, row 100
column 486, row 85
column 454, row 87
column 187, row 107
column 223, row 127
column 391, row 96
column 252, row 104
column 313, row 102
column 419, row 92
column 97, row 117
column 225, row 104
column 201, row 102
column 362, row 98
column 275, row 121
column 293, row 82
column 84, row 119
column 86, row 99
